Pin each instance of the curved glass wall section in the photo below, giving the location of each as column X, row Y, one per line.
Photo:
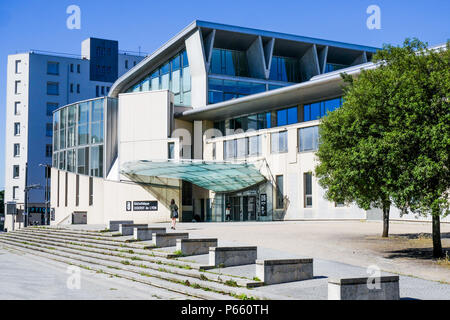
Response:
column 173, row 75
column 222, row 90
column 79, row 135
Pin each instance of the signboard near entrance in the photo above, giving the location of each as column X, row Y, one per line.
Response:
column 142, row 206
column 263, row 204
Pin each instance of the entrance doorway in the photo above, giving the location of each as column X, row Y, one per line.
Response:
column 243, row 208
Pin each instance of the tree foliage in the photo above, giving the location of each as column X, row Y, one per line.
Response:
column 389, row 142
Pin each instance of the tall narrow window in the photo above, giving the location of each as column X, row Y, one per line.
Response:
column 91, row 191
column 78, row 88
column 57, row 192
column 279, row 193
column 17, row 128
column 308, row 139
column 77, row 191
column 171, row 150
column 53, row 88
column 214, row 151
column 16, row 149
column 71, row 67
column 78, row 68
column 18, row 66
column 17, row 108
column 279, row 142
column 48, row 150
column 16, row 171
column 66, row 182
column 307, row 186
column 15, row 193
column 17, row 87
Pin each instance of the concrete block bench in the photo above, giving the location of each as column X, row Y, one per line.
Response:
column 128, row 229
column 167, row 239
column 114, row 224
column 284, row 270
column 191, row 247
column 232, row 256
column 360, row 289
column 145, row 233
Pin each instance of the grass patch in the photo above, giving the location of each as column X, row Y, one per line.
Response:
column 231, row 283
column 202, row 277
column 135, row 258
column 445, row 261
column 125, row 262
column 243, row 297
column 178, row 253
column 105, row 230
column 256, row 279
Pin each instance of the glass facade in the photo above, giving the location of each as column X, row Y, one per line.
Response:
column 285, row 69
column 242, row 148
column 173, row 75
column 220, row 90
column 78, row 137
column 229, row 62
column 308, row 139
column 278, row 117
column 330, row 67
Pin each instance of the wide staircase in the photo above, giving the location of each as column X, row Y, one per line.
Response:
column 118, row 256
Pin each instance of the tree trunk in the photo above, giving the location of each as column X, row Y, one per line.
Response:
column 386, row 208
column 437, row 245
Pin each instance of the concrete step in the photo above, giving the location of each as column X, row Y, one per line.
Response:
column 120, row 247
column 72, row 231
column 189, row 291
column 92, row 241
column 168, row 265
column 138, row 268
column 77, row 235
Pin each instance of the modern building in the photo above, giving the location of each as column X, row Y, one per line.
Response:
column 219, row 115
column 38, row 83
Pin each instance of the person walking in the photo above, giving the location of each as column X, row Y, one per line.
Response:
column 173, row 213
column 228, row 212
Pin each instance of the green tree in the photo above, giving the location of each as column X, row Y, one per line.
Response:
column 389, row 143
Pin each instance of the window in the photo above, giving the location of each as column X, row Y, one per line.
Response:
column 53, row 88
column 17, row 108
column 50, row 108
column 18, row 66
column 307, row 186
column 308, row 139
column 48, row 150
column 285, row 69
column 78, row 88
column 222, row 90
column 97, row 121
column 78, row 68
column 103, row 90
column 255, row 145
column 320, row 109
column 71, row 67
column 77, row 191
column 134, row 63
column 280, row 195
column 83, row 123
column 83, row 161
column 91, row 191
column 241, row 147
column 97, row 91
column 229, row 62
column 15, row 193
column 171, row 150
column 17, row 87
column 96, row 164
column 71, row 88
column 15, row 171
column 214, row 151
column 229, row 149
column 17, row 128
column 16, row 149
column 279, row 142
column 53, row 68
column 126, row 64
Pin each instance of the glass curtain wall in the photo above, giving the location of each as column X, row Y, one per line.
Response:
column 173, row 75
column 79, row 136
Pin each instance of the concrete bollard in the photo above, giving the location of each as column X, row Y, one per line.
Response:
column 232, row 256
column 143, row 233
column 167, row 239
column 191, row 247
column 379, row 288
column 128, row 229
column 284, row 270
column 114, row 224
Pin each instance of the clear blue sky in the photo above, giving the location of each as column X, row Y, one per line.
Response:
column 41, row 24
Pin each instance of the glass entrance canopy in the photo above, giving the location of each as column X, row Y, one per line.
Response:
column 211, row 175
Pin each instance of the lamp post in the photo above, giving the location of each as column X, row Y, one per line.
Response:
column 47, row 200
